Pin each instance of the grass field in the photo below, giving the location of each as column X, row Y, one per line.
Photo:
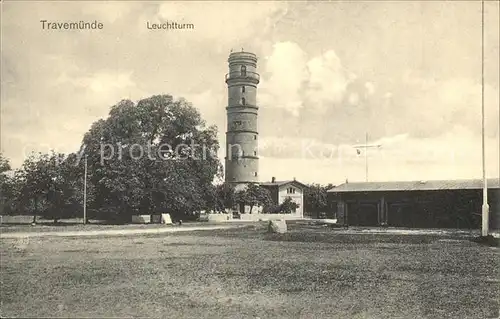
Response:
column 310, row 272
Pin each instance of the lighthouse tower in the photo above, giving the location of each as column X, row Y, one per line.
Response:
column 242, row 161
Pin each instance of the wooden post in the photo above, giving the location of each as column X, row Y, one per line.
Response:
column 85, row 193
column 485, row 208
column 386, row 209
column 382, row 217
column 341, row 212
column 366, row 157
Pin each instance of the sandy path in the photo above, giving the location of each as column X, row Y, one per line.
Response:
column 111, row 232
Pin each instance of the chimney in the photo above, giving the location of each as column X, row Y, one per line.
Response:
column 273, row 179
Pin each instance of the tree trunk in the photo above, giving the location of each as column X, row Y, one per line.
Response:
column 35, row 211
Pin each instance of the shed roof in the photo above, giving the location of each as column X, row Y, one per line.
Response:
column 414, row 185
column 281, row 183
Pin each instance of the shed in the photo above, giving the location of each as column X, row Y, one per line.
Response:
column 421, row 204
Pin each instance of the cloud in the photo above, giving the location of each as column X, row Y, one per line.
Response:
column 428, row 107
column 210, row 103
column 333, row 106
column 328, row 80
column 292, row 80
column 353, row 98
column 453, row 155
column 370, row 88
column 336, row 105
column 99, row 83
column 286, row 73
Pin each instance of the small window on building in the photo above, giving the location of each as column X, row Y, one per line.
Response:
column 243, row 70
column 255, row 137
column 255, row 153
column 255, row 174
column 243, row 89
column 243, row 102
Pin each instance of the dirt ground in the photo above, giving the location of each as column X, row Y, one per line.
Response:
column 310, row 272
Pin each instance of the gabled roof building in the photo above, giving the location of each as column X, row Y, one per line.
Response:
column 280, row 190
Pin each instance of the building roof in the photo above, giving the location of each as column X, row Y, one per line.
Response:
column 414, row 185
column 281, row 183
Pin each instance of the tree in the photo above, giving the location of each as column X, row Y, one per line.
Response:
column 4, row 164
column 32, row 182
column 220, row 197
column 288, row 206
column 155, row 156
column 6, row 186
column 254, row 195
column 48, row 186
column 315, row 198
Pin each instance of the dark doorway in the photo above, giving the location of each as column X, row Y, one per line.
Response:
column 362, row 214
column 400, row 215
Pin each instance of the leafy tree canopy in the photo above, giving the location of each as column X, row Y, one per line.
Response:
column 315, row 198
column 254, row 195
column 153, row 156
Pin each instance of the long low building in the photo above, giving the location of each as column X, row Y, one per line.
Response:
column 418, row 204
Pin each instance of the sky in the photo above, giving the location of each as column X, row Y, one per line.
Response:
column 405, row 74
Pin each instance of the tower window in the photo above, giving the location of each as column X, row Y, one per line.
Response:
column 243, row 102
column 255, row 174
column 243, row 70
column 243, row 89
column 255, row 153
column 255, row 137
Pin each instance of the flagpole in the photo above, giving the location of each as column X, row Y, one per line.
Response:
column 85, row 193
column 366, row 156
column 485, row 207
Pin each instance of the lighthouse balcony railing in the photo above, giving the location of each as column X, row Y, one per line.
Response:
column 242, row 75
